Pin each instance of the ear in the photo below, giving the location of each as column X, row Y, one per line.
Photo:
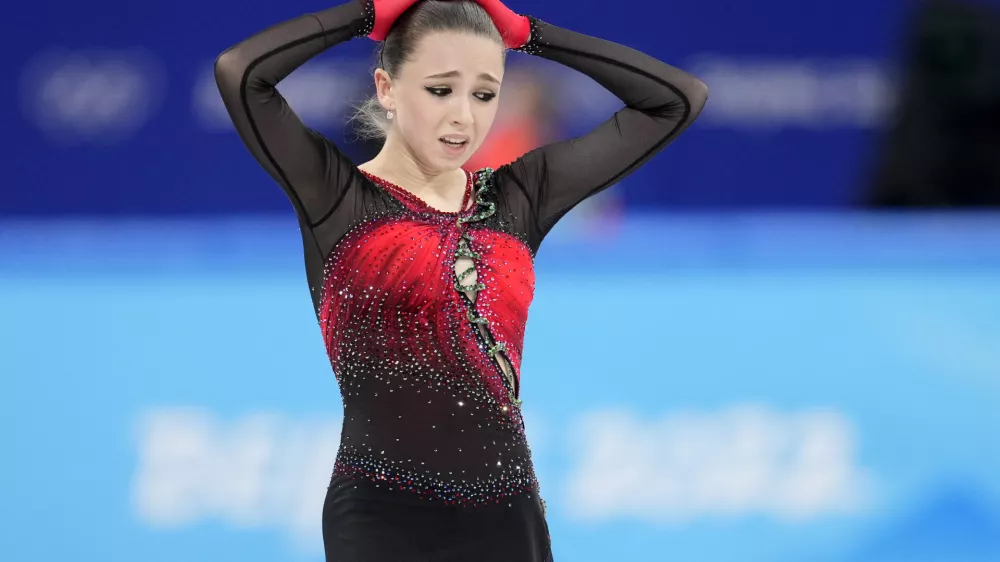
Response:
column 383, row 90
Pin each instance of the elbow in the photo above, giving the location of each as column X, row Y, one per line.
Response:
column 697, row 97
column 682, row 102
column 693, row 95
column 229, row 68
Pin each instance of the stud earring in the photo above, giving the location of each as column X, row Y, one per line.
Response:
column 388, row 114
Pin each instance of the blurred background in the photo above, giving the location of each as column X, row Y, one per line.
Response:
column 778, row 341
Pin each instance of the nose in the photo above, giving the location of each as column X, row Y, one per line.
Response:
column 462, row 113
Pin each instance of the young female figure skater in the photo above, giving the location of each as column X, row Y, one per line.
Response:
column 421, row 273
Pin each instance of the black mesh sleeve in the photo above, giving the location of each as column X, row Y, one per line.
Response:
column 660, row 102
column 313, row 173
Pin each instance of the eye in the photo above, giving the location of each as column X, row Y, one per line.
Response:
column 438, row 91
column 485, row 96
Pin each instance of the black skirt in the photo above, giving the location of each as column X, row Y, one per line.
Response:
column 368, row 522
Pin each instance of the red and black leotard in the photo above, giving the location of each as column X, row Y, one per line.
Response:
column 433, row 462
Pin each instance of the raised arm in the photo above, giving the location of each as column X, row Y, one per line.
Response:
column 660, row 102
column 310, row 169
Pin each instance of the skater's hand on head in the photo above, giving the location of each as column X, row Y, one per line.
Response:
column 514, row 28
column 386, row 14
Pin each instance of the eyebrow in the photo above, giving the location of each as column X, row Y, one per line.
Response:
column 453, row 73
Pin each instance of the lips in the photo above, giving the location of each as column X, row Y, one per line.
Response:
column 454, row 140
column 454, row 145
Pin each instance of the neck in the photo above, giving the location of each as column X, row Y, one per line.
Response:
column 395, row 163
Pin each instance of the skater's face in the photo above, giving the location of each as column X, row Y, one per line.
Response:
column 444, row 97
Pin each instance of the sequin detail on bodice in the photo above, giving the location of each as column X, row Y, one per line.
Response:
column 428, row 359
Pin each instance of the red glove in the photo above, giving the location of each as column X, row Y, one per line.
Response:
column 386, row 13
column 515, row 29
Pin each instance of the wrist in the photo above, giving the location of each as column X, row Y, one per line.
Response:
column 385, row 14
column 513, row 27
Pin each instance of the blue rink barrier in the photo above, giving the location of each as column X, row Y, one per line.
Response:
column 707, row 388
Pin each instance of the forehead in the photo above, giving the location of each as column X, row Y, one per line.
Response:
column 445, row 51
